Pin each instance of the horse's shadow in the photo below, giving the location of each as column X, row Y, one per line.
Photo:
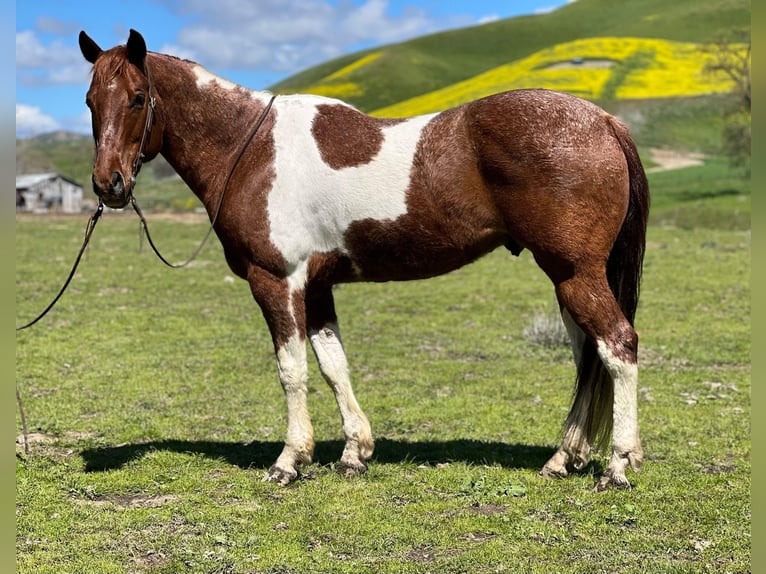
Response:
column 261, row 454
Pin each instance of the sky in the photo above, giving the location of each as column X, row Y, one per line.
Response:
column 254, row 43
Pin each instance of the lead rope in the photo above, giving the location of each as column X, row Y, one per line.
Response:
column 91, row 225
column 197, row 251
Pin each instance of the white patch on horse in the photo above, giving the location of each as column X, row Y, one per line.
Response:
column 311, row 205
column 291, row 360
column 625, row 416
column 205, row 78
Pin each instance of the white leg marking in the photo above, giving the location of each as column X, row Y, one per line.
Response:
column 299, row 441
column 625, row 377
column 331, row 357
column 575, row 448
column 626, row 444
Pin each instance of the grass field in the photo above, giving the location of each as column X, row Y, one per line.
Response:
column 154, row 409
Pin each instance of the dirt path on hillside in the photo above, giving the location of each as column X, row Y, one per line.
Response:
column 666, row 159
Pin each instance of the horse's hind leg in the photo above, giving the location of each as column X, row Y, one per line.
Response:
column 325, row 340
column 602, row 391
column 575, row 448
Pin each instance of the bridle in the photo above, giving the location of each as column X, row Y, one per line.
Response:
column 137, row 163
column 149, row 121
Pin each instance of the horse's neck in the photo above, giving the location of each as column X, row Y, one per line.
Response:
column 206, row 120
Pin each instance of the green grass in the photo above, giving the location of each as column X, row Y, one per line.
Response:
column 153, row 402
column 690, row 124
column 710, row 196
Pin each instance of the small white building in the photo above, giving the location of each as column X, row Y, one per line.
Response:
column 44, row 192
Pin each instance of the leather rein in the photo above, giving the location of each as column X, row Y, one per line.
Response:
column 140, row 159
column 137, row 163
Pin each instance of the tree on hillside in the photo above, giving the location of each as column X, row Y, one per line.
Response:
column 730, row 60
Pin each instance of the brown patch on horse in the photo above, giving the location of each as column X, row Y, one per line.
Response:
column 451, row 217
column 327, row 269
column 345, row 136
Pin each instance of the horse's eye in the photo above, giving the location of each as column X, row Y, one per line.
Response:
column 138, row 102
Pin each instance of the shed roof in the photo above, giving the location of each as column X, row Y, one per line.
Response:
column 28, row 180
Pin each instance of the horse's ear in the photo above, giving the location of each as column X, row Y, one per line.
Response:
column 136, row 49
column 89, row 48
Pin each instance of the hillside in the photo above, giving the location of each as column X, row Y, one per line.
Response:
column 384, row 76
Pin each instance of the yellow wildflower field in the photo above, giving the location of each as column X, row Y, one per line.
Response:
column 333, row 85
column 592, row 68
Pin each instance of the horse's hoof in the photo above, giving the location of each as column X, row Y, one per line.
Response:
column 608, row 481
column 280, row 476
column 550, row 472
column 350, row 470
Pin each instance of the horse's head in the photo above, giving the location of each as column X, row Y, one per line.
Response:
column 121, row 99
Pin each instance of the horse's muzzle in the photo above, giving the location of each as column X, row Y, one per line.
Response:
column 115, row 194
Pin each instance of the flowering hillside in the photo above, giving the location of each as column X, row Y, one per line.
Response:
column 603, row 68
column 337, row 84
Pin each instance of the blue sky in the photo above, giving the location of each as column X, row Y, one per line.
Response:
column 252, row 42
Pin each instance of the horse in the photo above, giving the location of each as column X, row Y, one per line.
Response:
column 321, row 193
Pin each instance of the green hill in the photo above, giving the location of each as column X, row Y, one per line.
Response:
column 398, row 72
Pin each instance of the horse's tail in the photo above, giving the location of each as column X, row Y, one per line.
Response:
column 623, row 270
column 626, row 260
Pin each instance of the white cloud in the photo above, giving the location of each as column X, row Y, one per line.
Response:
column 30, row 53
column 81, row 123
column 56, row 26
column 549, row 9
column 289, row 35
column 282, row 36
column 55, row 63
column 30, row 120
column 488, row 18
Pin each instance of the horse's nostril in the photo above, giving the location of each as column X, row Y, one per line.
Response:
column 116, row 179
column 96, row 188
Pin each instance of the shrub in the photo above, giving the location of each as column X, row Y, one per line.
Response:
column 546, row 329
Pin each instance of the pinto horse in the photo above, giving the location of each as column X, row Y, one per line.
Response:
column 324, row 194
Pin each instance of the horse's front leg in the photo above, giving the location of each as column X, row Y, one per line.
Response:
column 325, row 340
column 299, row 439
column 284, row 312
